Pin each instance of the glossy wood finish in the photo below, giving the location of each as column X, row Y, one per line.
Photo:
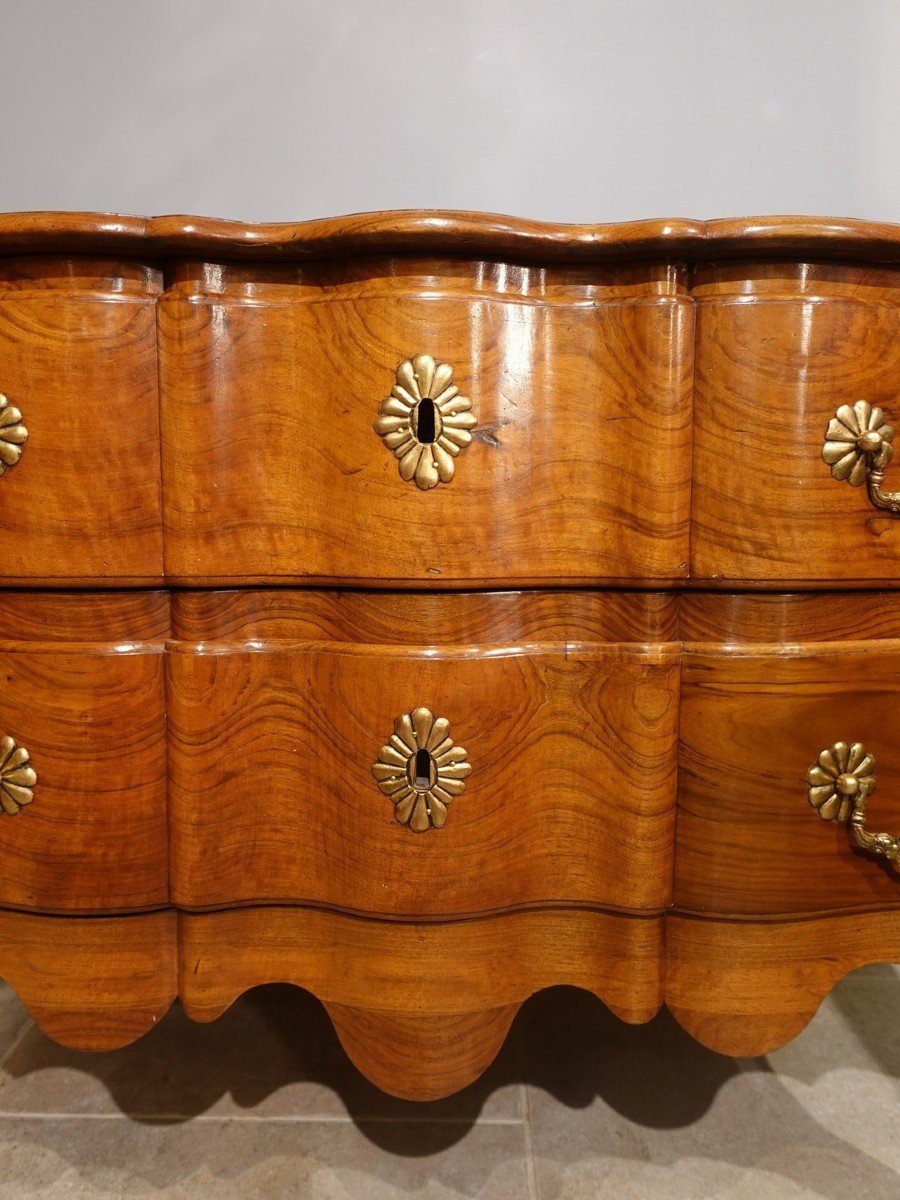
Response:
column 92, row 983
column 777, row 355
column 427, row 619
column 464, row 979
column 82, row 689
column 273, row 472
column 764, row 689
column 746, row 988
column 78, row 358
column 208, row 777
column 489, row 235
column 298, row 817
column 752, row 724
column 742, row 988
column 746, row 619
column 788, row 907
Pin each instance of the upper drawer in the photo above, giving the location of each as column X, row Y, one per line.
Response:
column 80, row 498
column 569, row 452
column 780, row 349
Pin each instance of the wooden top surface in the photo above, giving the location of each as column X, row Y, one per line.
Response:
column 466, row 233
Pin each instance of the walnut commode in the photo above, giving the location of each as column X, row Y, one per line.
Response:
column 429, row 608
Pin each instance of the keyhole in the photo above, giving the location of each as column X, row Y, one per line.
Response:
column 425, row 420
column 422, row 776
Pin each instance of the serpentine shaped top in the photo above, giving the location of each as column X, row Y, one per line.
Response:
column 474, row 234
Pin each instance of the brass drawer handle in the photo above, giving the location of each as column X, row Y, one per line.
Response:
column 840, row 785
column 17, row 776
column 421, row 770
column 13, row 435
column 425, row 422
column 858, row 449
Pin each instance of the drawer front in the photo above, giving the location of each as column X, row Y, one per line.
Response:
column 82, row 756
column 558, row 760
column 577, row 469
column 82, row 503
column 753, row 725
column 771, row 374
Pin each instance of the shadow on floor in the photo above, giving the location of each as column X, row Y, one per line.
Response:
column 275, row 1054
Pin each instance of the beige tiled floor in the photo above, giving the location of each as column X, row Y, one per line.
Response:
column 263, row 1104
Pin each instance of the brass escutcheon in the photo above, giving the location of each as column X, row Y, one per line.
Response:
column 13, row 435
column 425, row 422
column 421, row 770
column 17, row 776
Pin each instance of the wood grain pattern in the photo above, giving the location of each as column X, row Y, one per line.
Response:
column 745, row 988
column 427, row 618
column 792, row 618
column 771, row 370
column 100, row 617
column 802, row 277
column 379, row 275
column 465, row 979
column 92, row 983
column 570, row 799
column 753, row 721
column 91, row 713
column 578, row 471
column 33, row 274
column 409, row 1054
column 83, row 504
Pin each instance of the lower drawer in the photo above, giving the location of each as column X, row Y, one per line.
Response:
column 83, row 752
column 776, row 690
column 471, row 754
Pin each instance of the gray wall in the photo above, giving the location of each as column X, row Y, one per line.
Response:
column 575, row 110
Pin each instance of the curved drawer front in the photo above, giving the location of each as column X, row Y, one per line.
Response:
column 571, row 465
column 558, row 756
column 758, row 710
column 780, row 350
column 81, row 501
column 82, row 752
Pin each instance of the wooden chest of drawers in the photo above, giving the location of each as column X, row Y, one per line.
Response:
column 426, row 609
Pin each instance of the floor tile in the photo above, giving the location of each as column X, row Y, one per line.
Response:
column 102, row 1158
column 647, row 1113
column 844, row 1069
column 274, row 1053
column 875, row 973
column 13, row 1018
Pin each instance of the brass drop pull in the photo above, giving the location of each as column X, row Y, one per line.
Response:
column 858, row 447
column 840, row 785
column 421, row 770
column 13, row 435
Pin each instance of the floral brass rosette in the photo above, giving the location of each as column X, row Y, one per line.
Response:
column 425, row 422
column 17, row 776
column 842, row 774
column 857, row 438
column 421, row 770
column 839, row 789
column 13, row 435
